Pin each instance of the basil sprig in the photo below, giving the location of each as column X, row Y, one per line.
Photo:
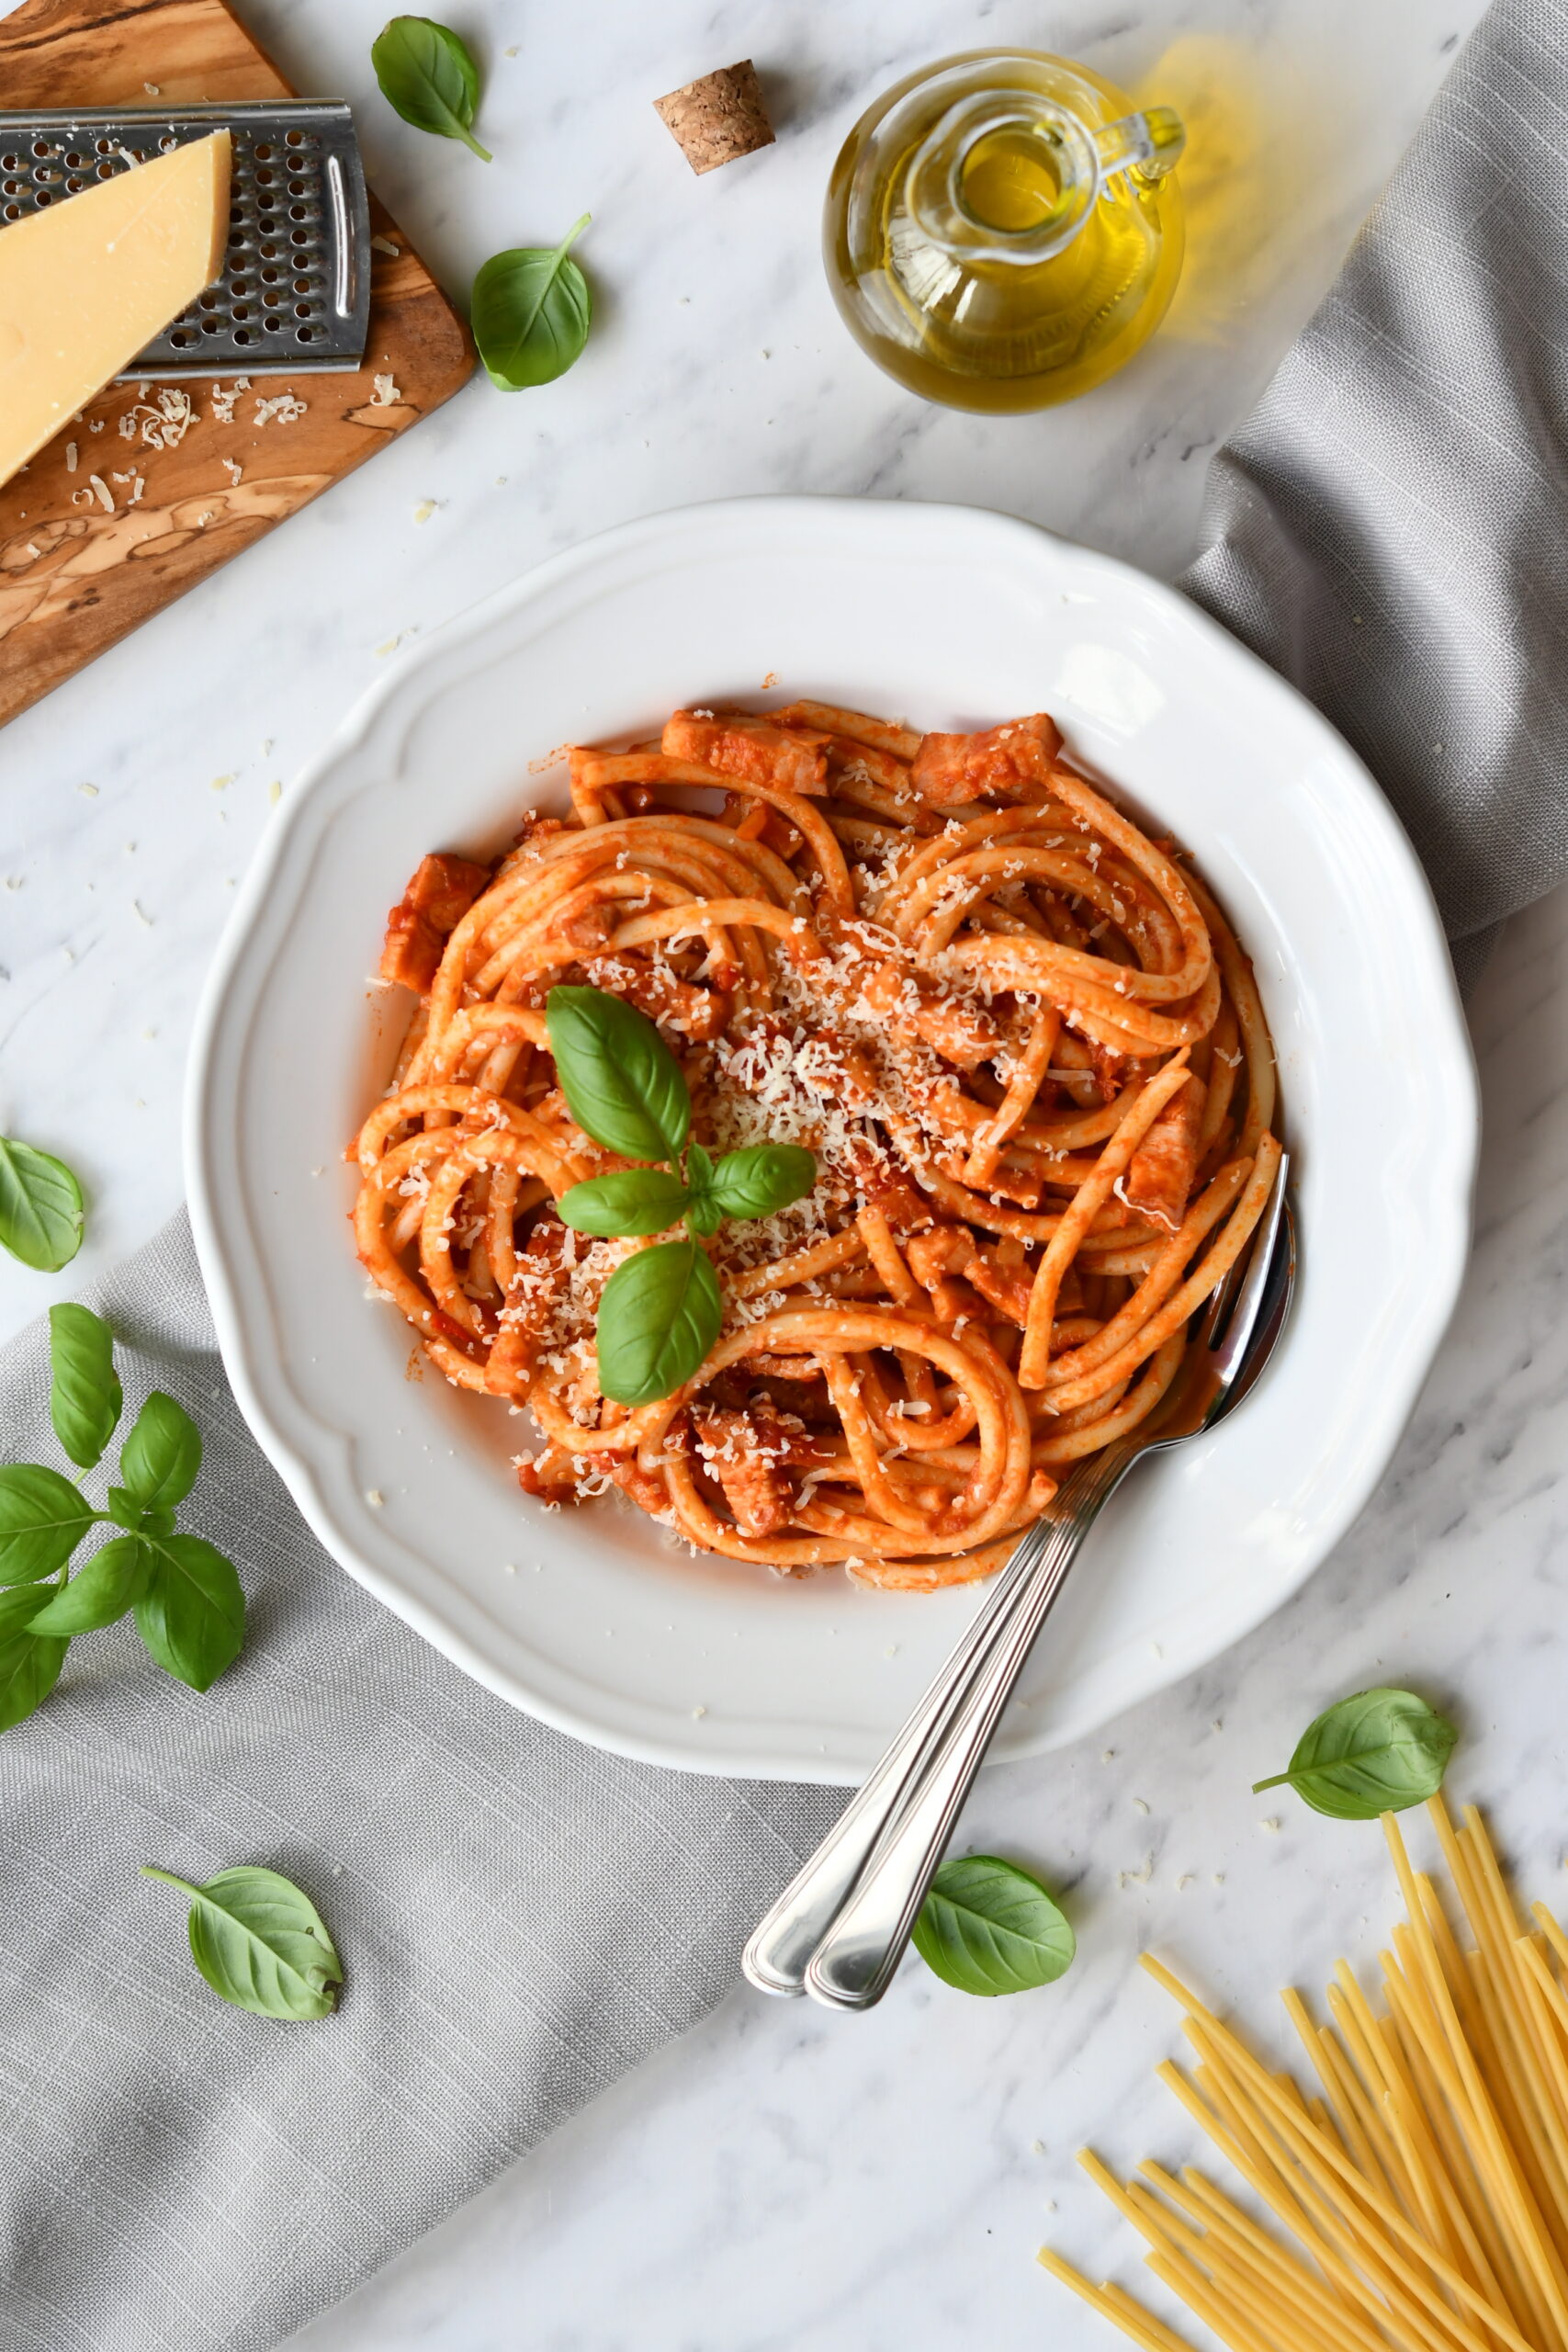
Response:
column 986, row 1927
column 661, row 1310
column 41, row 1207
column 530, row 311
column 1375, row 1752
column 185, row 1597
column 427, row 75
column 260, row 1943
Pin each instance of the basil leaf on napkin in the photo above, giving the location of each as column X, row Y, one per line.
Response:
column 986, row 1927
column 41, row 1207
column 621, row 1083
column 192, row 1615
column 660, row 1315
column 42, row 1519
column 260, row 1943
column 427, row 75
column 531, row 312
column 112, row 1581
column 161, row 1457
column 85, row 1398
column 1375, row 1752
column 30, row 1663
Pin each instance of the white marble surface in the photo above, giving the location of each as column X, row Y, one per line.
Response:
column 783, row 2178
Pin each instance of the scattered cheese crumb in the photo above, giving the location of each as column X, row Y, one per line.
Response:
column 1184, row 1881
column 1108, row 1756
column 384, row 392
column 1139, row 1806
column 90, row 789
column 222, row 783
column 1271, row 1825
column 71, row 457
column 234, row 470
column 274, row 790
column 154, row 89
column 425, row 510
column 283, row 409
column 102, row 492
column 509, row 1568
column 374, row 1498
column 136, row 910
column 1037, row 2147
column 697, row 1713
column 1218, row 1878
column 385, row 245
column 1137, row 1878
column 224, row 397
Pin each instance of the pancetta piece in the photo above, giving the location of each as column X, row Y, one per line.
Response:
column 1159, row 1176
column 1003, row 763
column 439, row 895
column 754, row 748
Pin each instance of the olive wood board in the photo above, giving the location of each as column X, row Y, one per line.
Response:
column 75, row 578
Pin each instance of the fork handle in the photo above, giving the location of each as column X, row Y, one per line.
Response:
column 775, row 1959
column 855, row 1957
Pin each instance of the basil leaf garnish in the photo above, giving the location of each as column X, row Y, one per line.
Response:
column 427, row 75
column 1378, row 1751
column 986, row 1927
column 261, row 1944
column 621, row 1083
column 660, row 1315
column 84, row 1397
column 30, row 1663
column 531, row 312
column 42, row 1519
column 192, row 1614
column 41, row 1207
column 762, row 1178
column 633, row 1201
column 161, row 1457
column 112, row 1581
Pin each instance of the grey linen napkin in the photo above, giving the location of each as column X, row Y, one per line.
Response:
column 520, row 1918
column 1390, row 527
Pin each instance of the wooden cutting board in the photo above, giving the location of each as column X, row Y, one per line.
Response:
column 76, row 577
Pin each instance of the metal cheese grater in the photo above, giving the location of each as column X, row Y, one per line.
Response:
column 295, row 293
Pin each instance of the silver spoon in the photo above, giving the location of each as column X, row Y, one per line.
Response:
column 839, row 1930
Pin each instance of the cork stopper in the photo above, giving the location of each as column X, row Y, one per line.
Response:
column 718, row 118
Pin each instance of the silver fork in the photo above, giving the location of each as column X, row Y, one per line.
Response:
column 840, row 1929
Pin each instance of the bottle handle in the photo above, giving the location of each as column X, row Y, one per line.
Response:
column 1150, row 143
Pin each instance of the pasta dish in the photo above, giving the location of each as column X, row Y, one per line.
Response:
column 1016, row 1036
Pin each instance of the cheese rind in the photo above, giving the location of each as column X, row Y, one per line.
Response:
column 87, row 284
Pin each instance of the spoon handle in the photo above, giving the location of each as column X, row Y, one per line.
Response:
column 776, row 1959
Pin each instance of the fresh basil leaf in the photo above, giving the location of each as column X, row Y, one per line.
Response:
column 1375, row 1752
column 621, row 1083
column 260, row 1943
column 161, row 1457
column 103, row 1588
column 660, row 1315
column 704, row 1214
column 988, row 1927
column 192, row 1614
column 634, row 1200
column 84, row 1397
column 124, row 1510
column 30, row 1663
column 762, row 1178
column 42, row 1520
column 41, row 1207
column 531, row 312
column 427, row 75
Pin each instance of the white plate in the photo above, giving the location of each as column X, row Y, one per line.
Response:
column 952, row 618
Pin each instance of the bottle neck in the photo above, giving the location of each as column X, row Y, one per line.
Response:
column 1010, row 176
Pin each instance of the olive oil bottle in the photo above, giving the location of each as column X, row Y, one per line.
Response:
column 1002, row 229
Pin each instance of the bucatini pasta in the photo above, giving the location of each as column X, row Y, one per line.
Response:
column 1421, row 2195
column 1017, row 1034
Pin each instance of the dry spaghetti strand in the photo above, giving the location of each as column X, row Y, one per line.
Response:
column 1019, row 1037
column 1425, row 2207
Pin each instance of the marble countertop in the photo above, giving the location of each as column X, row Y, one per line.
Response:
column 782, row 2177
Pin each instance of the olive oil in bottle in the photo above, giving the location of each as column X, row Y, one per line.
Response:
column 1002, row 230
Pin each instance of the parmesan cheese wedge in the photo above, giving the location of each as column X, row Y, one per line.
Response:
column 87, row 284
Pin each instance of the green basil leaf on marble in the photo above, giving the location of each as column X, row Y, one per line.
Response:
column 428, row 76
column 1378, row 1751
column 988, row 1927
column 41, row 1207
column 530, row 313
